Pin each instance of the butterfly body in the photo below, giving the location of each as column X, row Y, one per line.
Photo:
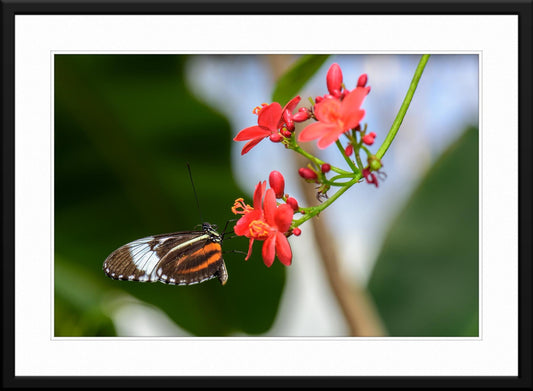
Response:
column 179, row 258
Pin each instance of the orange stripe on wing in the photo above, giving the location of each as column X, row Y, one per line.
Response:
column 209, row 248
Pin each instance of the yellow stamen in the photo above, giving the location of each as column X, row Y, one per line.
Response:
column 259, row 229
column 239, row 207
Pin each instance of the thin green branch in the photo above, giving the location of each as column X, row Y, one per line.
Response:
column 403, row 109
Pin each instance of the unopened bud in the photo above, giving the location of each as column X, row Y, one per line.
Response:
column 275, row 137
column 349, row 150
column 361, row 82
column 277, row 183
column 334, row 79
column 292, row 203
column 307, row 173
column 301, row 116
column 368, row 139
column 326, row 167
column 296, row 231
column 286, row 132
column 374, row 163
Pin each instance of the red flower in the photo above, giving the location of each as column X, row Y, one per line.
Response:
column 267, row 124
column 334, row 118
column 265, row 221
column 271, row 118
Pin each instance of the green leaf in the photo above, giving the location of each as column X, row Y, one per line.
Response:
column 125, row 128
column 295, row 78
column 425, row 281
column 79, row 308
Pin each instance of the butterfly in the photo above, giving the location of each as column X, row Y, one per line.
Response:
column 179, row 258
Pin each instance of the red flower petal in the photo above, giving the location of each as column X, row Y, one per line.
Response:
column 353, row 119
column 242, row 226
column 269, row 116
column 328, row 110
column 251, row 144
column 251, row 132
column 283, row 249
column 292, row 103
column 258, row 195
column 270, row 207
column 269, row 250
column 314, row 131
column 283, row 217
column 249, row 249
column 353, row 101
column 329, row 138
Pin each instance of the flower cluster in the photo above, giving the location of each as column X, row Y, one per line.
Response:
column 332, row 116
column 267, row 220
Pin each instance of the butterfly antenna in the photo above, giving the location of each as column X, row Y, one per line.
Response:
column 194, row 191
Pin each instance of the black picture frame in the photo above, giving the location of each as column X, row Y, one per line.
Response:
column 10, row 9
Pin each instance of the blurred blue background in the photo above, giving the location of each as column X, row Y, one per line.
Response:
column 126, row 125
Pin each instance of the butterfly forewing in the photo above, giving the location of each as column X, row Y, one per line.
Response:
column 180, row 258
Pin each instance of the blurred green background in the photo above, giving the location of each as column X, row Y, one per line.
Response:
column 124, row 128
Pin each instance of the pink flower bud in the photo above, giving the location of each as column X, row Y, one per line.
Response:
column 286, row 133
column 301, row 116
column 290, row 125
column 336, row 93
column 296, row 231
column 277, row 183
column 275, row 137
column 292, row 203
column 307, row 173
column 326, row 167
column 362, row 80
column 349, row 150
column 334, row 79
column 368, row 139
column 319, row 99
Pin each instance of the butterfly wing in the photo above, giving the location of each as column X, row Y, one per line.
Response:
column 180, row 258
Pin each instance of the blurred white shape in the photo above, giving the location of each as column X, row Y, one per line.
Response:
column 308, row 307
column 133, row 318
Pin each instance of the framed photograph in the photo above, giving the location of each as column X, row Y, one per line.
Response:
column 258, row 194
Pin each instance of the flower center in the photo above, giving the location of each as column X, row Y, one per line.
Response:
column 259, row 229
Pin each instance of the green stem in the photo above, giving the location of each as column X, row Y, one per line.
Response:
column 348, row 160
column 358, row 158
column 295, row 147
column 403, row 109
column 357, row 175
